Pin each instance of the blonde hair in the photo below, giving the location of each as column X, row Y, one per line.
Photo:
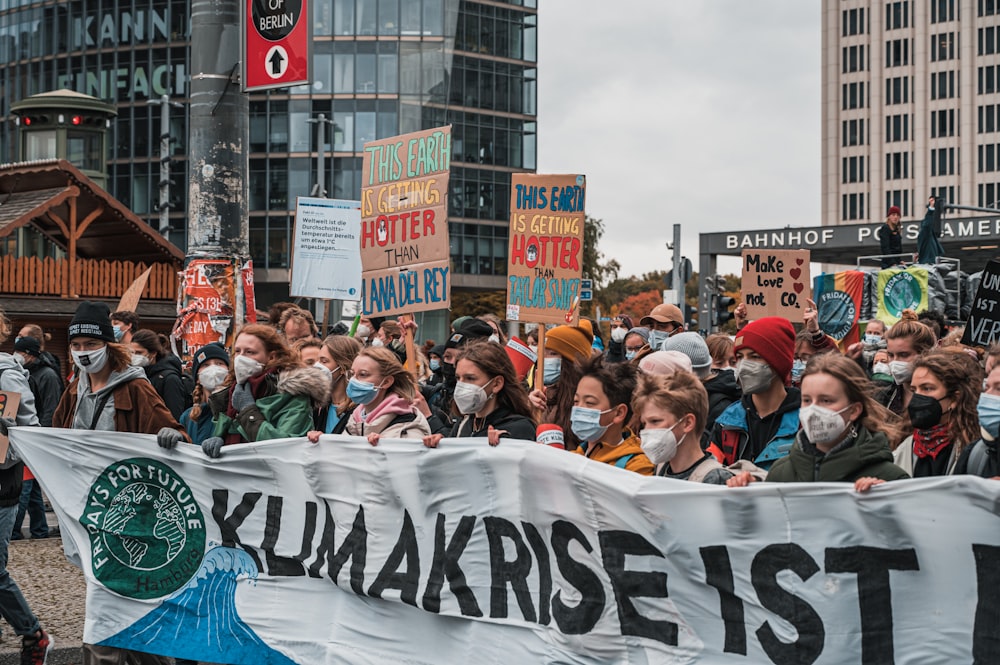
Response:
column 389, row 365
column 680, row 393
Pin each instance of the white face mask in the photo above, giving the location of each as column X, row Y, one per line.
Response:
column 881, row 368
column 139, row 360
column 822, row 425
column 901, row 371
column 212, row 377
column 91, row 361
column 377, row 342
column 660, row 445
column 470, row 398
column 363, row 331
column 495, row 338
column 618, row 335
column 753, row 376
column 245, row 367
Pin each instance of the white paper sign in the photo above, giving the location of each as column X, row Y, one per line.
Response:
column 341, row 552
column 326, row 254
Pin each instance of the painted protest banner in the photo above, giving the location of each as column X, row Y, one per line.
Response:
column 350, row 553
column 545, row 251
column 839, row 298
column 983, row 326
column 206, row 306
column 405, row 253
column 326, row 252
column 775, row 282
column 899, row 290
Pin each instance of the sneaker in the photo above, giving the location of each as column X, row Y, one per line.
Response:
column 35, row 648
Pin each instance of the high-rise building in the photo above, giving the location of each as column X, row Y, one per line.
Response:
column 380, row 68
column 911, row 106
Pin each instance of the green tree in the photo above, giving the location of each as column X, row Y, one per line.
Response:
column 595, row 266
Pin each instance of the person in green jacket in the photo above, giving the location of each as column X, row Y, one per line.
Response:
column 845, row 433
column 268, row 394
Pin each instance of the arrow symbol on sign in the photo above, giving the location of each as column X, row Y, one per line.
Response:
column 276, row 60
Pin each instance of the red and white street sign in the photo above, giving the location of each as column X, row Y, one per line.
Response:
column 277, row 42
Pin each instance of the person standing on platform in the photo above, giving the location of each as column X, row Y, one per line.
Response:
column 890, row 237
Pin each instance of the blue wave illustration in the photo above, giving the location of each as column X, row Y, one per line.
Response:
column 201, row 622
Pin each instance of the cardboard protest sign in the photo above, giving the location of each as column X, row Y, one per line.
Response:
column 405, row 253
column 983, row 326
column 326, row 252
column 775, row 283
column 9, row 401
column 545, row 254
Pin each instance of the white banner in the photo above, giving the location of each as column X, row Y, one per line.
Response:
column 326, row 250
column 340, row 552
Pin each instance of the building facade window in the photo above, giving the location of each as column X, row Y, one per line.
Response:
column 897, row 128
column 853, row 206
column 987, row 40
column 897, row 90
column 946, row 192
column 943, row 11
column 988, row 7
column 897, row 15
column 944, row 85
column 943, row 161
column 988, row 117
column 897, row 53
column 853, row 169
column 942, row 123
column 943, row 46
column 854, row 59
column 989, row 156
column 988, row 192
column 853, row 132
column 988, row 79
column 853, row 96
column 897, row 165
column 853, row 22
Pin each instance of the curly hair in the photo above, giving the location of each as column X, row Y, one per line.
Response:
column 962, row 379
column 274, row 343
column 680, row 394
column 493, row 360
column 858, row 388
column 299, row 315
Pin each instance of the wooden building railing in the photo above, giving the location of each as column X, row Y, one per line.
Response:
column 32, row 276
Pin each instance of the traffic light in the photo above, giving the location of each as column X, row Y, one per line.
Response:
column 690, row 317
column 722, row 313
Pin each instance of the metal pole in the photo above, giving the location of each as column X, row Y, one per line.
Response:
column 678, row 273
column 974, row 208
column 219, row 135
column 165, row 166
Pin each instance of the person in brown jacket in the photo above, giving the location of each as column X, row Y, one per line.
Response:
column 111, row 395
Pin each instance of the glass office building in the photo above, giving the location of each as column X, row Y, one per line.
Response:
column 380, row 68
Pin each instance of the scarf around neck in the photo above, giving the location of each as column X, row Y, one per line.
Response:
column 930, row 442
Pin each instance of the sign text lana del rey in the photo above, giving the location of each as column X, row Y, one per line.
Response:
column 404, row 223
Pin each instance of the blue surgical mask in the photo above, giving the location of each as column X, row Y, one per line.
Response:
column 18, row 339
column 657, row 338
column 586, row 423
column 435, row 364
column 872, row 340
column 552, row 369
column 119, row 333
column 630, row 355
column 361, row 392
column 798, row 367
column 989, row 414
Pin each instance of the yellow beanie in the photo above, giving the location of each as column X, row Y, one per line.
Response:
column 571, row 342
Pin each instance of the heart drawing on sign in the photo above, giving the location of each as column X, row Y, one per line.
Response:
column 795, row 272
column 798, row 287
column 798, row 262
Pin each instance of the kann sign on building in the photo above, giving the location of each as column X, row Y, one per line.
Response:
column 276, row 43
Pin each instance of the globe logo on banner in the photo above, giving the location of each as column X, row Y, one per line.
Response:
column 837, row 313
column 902, row 291
column 147, row 533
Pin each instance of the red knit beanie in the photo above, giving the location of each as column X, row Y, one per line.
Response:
column 773, row 338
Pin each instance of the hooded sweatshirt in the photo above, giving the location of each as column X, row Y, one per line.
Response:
column 87, row 401
column 165, row 375
column 14, row 378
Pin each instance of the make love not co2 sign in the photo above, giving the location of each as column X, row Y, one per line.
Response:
column 277, row 38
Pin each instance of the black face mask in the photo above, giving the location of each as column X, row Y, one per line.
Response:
column 448, row 372
column 925, row 412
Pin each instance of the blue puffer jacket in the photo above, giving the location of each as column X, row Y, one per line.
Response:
column 730, row 437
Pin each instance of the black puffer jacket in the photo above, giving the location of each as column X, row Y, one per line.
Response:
column 165, row 375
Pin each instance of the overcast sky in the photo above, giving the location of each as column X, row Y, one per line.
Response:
column 699, row 112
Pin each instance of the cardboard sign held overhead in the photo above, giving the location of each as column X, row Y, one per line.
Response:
column 983, row 326
column 405, row 253
column 545, row 254
column 130, row 299
column 775, row 283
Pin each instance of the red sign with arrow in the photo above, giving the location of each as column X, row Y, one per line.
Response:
column 277, row 39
